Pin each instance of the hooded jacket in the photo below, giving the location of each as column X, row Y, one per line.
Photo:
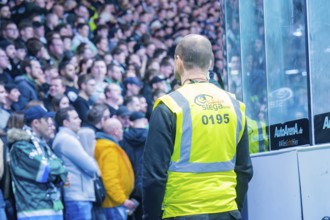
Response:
column 116, row 170
column 133, row 144
column 37, row 175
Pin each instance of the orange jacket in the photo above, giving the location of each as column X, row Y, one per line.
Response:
column 116, row 170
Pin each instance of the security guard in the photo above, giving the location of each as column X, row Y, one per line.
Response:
column 196, row 159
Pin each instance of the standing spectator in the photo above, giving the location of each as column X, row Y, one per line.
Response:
column 122, row 114
column 113, row 97
column 86, row 84
column 79, row 195
column 37, row 174
column 98, row 71
column 116, row 169
column 133, row 144
column 69, row 75
column 96, row 117
column 211, row 180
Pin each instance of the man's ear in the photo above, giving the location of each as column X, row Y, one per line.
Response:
column 65, row 122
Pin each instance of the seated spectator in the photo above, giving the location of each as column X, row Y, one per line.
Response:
column 13, row 95
column 82, row 37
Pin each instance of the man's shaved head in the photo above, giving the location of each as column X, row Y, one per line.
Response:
column 195, row 51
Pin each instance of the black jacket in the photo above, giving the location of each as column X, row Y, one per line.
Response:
column 157, row 156
column 133, row 144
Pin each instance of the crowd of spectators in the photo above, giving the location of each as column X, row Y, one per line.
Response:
column 87, row 54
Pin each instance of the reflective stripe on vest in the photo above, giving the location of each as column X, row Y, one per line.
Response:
column 183, row 165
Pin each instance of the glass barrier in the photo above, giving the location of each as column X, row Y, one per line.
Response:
column 254, row 73
column 286, row 59
column 319, row 50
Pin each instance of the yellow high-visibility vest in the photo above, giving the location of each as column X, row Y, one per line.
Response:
column 209, row 125
column 258, row 138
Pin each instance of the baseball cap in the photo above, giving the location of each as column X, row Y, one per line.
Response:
column 123, row 111
column 157, row 79
column 36, row 112
column 136, row 115
column 133, row 80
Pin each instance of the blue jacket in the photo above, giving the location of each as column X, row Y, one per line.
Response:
column 28, row 90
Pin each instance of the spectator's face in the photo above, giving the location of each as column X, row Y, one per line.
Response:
column 45, row 127
column 159, row 85
column 124, row 120
column 11, row 32
column 51, row 73
column 4, row 61
column 57, row 47
column 21, row 54
column 5, row 12
column 115, row 74
column 115, row 93
column 90, row 87
column 143, row 104
column 35, row 69
column 11, row 51
column 14, row 95
column 73, row 122
column 64, row 102
column 3, row 95
column 105, row 117
column 134, row 89
column 99, row 70
column 134, row 105
column 82, row 11
column 56, row 87
column 59, row 10
column 27, row 33
column 69, row 72
column 166, row 70
column 84, row 31
column 39, row 32
column 103, row 45
column 67, row 43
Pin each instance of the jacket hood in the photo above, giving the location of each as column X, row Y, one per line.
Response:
column 136, row 137
column 16, row 134
column 102, row 135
